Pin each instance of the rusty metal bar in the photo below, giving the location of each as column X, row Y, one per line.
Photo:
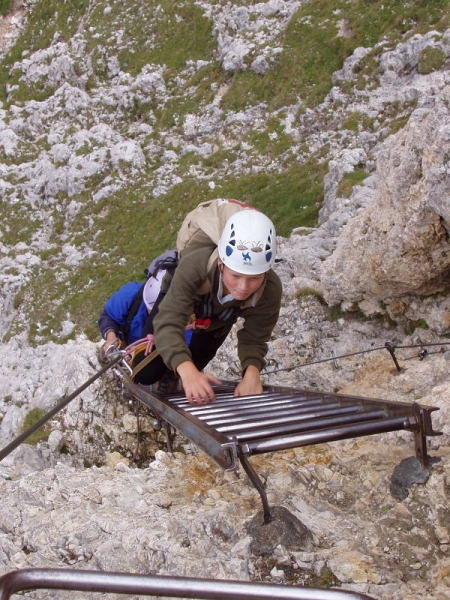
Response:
column 227, row 403
column 169, row 436
column 364, row 401
column 212, row 426
column 390, row 347
column 297, row 408
column 327, row 435
column 277, row 404
column 422, row 426
column 226, row 396
column 253, row 476
column 162, row 586
column 291, row 395
column 280, row 416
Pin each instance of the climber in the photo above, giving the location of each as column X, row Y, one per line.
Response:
column 125, row 313
column 216, row 285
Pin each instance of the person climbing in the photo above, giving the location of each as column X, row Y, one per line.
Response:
column 210, row 288
column 125, row 314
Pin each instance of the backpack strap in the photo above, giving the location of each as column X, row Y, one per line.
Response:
column 204, row 288
column 166, row 261
column 207, row 284
column 133, row 310
column 148, row 327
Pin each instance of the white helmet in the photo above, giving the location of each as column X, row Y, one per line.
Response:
column 248, row 243
column 152, row 288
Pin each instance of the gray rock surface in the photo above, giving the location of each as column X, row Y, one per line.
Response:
column 404, row 232
column 78, row 498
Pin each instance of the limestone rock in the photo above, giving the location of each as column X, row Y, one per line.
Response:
column 400, row 244
column 179, row 514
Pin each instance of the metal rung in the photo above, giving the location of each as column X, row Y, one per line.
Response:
column 331, row 434
column 296, row 427
column 224, row 412
column 225, row 402
column 248, row 423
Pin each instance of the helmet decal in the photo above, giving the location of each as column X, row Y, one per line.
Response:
column 256, row 247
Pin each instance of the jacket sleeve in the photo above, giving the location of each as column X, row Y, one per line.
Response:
column 259, row 322
column 177, row 307
column 115, row 312
column 105, row 324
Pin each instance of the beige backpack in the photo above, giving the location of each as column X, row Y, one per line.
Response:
column 203, row 226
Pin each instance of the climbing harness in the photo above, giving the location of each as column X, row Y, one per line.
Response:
column 147, row 344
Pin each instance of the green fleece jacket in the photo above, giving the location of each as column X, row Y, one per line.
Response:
column 259, row 312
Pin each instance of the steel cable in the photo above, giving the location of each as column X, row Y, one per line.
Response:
column 388, row 346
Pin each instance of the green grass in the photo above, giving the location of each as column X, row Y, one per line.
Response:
column 291, row 199
column 5, row 5
column 162, row 33
column 312, row 50
column 348, row 181
column 49, row 17
column 152, row 32
column 16, row 225
column 413, row 325
column 182, row 33
column 431, row 59
column 272, row 141
column 334, row 314
column 41, row 434
column 171, row 33
column 357, row 121
column 132, row 225
column 305, row 292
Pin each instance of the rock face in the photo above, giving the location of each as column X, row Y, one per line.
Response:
column 359, row 521
column 399, row 247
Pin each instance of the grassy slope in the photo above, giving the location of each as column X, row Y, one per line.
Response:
column 135, row 227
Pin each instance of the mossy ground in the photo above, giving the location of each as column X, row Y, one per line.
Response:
column 41, row 434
